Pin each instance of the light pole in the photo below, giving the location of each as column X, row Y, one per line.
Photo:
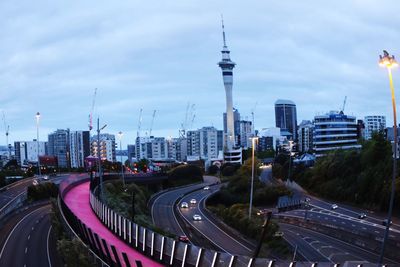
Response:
column 389, row 62
column 99, row 157
column 290, row 159
column 253, row 142
column 120, row 134
column 37, row 141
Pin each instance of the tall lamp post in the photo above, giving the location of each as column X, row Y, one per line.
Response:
column 99, row 157
column 389, row 62
column 37, row 141
column 120, row 134
column 253, row 142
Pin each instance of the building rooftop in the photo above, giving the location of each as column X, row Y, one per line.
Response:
column 284, row 102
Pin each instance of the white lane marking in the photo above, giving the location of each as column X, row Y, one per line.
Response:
column 26, row 250
column 33, row 228
column 48, row 250
column 202, row 199
column 15, row 227
column 29, row 237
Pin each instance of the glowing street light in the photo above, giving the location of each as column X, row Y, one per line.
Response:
column 120, row 134
column 37, row 141
column 389, row 62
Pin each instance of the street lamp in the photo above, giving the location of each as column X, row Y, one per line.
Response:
column 120, row 134
column 389, row 62
column 99, row 157
column 37, row 141
column 253, row 142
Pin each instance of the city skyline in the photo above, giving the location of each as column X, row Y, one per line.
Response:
column 141, row 57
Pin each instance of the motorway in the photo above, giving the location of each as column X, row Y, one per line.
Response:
column 221, row 238
column 10, row 192
column 26, row 239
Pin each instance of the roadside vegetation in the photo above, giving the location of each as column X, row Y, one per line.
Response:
column 359, row 177
column 42, row 191
column 231, row 204
column 71, row 251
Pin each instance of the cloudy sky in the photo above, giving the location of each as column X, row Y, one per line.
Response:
column 163, row 55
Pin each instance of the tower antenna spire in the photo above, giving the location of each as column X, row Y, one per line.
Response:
column 223, row 30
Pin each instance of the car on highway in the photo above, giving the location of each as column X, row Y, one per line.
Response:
column 334, row 206
column 184, row 205
column 46, row 177
column 183, row 238
column 278, row 234
column 385, row 222
column 35, row 182
column 206, row 188
column 193, row 201
column 196, row 217
column 362, row 216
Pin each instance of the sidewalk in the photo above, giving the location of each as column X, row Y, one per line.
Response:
column 77, row 199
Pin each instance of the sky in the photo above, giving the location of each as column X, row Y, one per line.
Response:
column 163, row 55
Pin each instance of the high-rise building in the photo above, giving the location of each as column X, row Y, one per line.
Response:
column 159, row 148
column 79, row 147
column 305, row 136
column 232, row 154
column 334, row 130
column 286, row 117
column 58, row 146
column 27, row 151
column 131, row 152
column 107, row 147
column 272, row 138
column 177, row 148
column 245, row 134
column 204, row 143
column 374, row 124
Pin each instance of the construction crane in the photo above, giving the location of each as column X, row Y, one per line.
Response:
column 152, row 122
column 139, row 123
column 344, row 104
column 91, row 110
column 7, row 131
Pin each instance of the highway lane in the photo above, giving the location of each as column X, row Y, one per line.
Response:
column 314, row 246
column 8, row 193
column 27, row 242
column 163, row 206
column 334, row 217
column 227, row 242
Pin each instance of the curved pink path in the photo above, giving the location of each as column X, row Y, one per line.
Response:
column 77, row 199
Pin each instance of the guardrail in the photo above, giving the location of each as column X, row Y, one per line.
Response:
column 13, row 204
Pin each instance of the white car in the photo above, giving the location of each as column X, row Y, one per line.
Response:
column 46, row 177
column 206, row 188
column 334, row 206
column 196, row 217
column 193, row 201
column 278, row 234
column 184, row 205
column 35, row 182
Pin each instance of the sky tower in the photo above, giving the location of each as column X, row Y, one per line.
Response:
column 231, row 153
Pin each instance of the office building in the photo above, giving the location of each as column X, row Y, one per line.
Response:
column 27, row 151
column 131, row 153
column 373, row 124
column 333, row 131
column 286, row 118
column 58, row 146
column 305, row 136
column 245, row 134
column 79, row 147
